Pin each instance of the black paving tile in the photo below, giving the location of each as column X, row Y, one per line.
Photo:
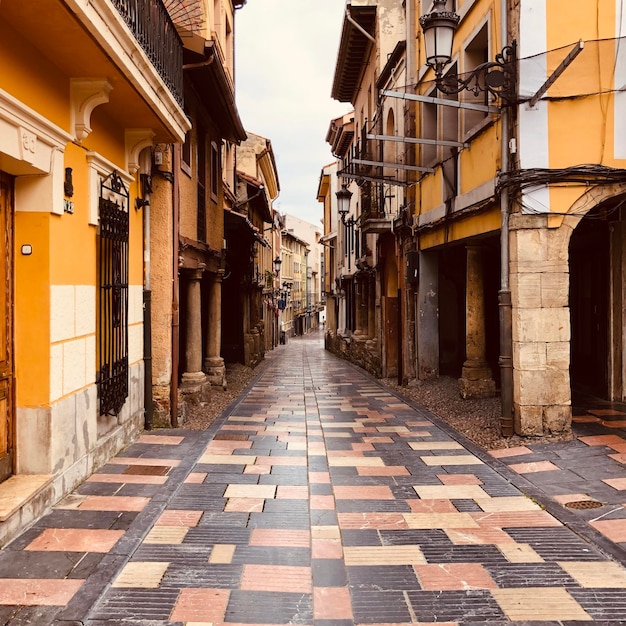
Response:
column 380, row 607
column 261, row 607
column 267, row 555
column 328, row 573
column 383, row 577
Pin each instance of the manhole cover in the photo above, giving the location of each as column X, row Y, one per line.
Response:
column 584, row 504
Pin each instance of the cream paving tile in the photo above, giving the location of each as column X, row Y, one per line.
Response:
column 383, row 555
column 435, row 445
column 363, row 461
column 604, row 575
column 439, row 520
column 507, row 503
column 519, row 553
column 325, row 532
column 222, row 459
column 450, row 492
column 166, row 535
column 222, row 553
column 392, row 429
column 522, row 605
column 460, row 459
column 141, row 574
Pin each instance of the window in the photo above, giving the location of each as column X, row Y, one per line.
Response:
column 201, row 213
column 112, row 376
column 475, row 53
column 185, row 156
column 215, row 171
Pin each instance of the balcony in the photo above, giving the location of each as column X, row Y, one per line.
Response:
column 155, row 32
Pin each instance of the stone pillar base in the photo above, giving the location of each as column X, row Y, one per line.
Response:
column 195, row 387
column 477, row 388
column 215, row 371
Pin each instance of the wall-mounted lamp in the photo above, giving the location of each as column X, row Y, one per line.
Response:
column 344, row 196
column 495, row 77
column 277, row 263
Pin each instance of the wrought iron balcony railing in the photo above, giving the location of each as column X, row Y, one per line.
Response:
column 155, row 32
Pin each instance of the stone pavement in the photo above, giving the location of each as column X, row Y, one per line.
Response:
column 321, row 498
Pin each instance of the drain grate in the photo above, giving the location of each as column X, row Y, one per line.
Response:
column 584, row 504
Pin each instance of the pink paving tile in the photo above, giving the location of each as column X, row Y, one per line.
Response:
column 257, row 469
column 614, row 423
column 506, row 452
column 37, row 591
column 280, row 538
column 386, row 470
column 75, row 540
column 326, row 549
column 431, row 506
column 459, row 479
column 175, row 517
column 605, row 412
column 602, row 440
column 618, row 447
column 343, row 453
column 584, row 419
column 113, row 503
column 419, row 423
column 292, row 492
column 615, row 529
column 160, row 440
column 453, row 576
column 571, row 497
column 616, row 483
column 332, row 603
column 620, row 458
column 319, row 478
column 129, row 460
column 196, row 478
column 279, row 578
column 244, row 505
column 227, row 447
column 372, row 492
column 530, row 468
column 322, row 502
column 200, row 605
column 135, row 479
column 374, row 521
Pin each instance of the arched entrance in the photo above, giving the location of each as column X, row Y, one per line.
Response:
column 597, row 291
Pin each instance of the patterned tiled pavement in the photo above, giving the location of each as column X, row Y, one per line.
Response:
column 321, row 498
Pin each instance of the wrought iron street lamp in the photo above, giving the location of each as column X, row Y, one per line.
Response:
column 344, row 196
column 495, row 77
column 277, row 263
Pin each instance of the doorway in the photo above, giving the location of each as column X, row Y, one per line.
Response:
column 6, row 327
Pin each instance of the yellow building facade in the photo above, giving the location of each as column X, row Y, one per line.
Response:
column 505, row 251
column 80, row 99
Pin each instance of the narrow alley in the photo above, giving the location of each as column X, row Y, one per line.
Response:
column 322, row 498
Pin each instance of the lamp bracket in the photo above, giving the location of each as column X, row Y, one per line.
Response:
column 498, row 78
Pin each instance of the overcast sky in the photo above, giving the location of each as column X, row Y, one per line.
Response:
column 286, row 51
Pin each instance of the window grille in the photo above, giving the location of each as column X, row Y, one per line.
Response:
column 112, row 377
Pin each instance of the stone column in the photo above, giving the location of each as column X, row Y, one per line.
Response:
column 213, row 362
column 194, row 380
column 428, row 316
column 476, row 380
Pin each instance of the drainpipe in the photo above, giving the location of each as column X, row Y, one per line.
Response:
column 147, row 294
column 175, row 286
column 504, row 295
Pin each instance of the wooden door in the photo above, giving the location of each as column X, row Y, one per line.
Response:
column 6, row 327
